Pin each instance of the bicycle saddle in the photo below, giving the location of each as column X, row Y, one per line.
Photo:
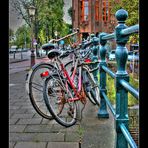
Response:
column 48, row 46
column 54, row 53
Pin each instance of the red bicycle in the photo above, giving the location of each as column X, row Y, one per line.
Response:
column 64, row 92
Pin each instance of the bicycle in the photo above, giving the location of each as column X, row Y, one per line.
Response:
column 35, row 78
column 34, row 87
column 62, row 92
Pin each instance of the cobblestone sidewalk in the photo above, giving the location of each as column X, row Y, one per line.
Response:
column 29, row 130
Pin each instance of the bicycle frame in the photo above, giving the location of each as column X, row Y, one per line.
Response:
column 70, row 80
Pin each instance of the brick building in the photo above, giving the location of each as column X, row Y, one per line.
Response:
column 92, row 16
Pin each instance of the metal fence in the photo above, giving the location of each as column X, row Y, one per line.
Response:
column 121, row 77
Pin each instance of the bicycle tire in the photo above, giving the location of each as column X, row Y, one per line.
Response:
column 56, row 101
column 34, row 87
column 91, row 87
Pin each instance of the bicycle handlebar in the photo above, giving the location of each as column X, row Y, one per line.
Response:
column 69, row 35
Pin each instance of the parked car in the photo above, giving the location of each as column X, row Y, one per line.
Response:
column 25, row 49
column 112, row 55
column 13, row 49
column 19, row 50
column 133, row 56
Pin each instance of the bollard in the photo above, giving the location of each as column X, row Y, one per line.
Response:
column 32, row 57
column 121, row 54
column 14, row 54
column 21, row 54
column 102, row 113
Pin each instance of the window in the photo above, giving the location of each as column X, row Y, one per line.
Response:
column 106, row 10
column 97, row 10
column 84, row 10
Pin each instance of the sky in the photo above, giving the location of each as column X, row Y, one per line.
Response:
column 14, row 22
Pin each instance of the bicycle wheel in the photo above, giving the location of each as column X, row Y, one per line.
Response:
column 90, row 86
column 57, row 95
column 34, row 87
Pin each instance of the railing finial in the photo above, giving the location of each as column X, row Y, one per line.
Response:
column 121, row 15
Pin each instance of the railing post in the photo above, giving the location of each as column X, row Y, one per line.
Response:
column 95, row 56
column 121, row 94
column 102, row 113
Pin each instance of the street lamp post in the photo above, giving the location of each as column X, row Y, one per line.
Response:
column 32, row 13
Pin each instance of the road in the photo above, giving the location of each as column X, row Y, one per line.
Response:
column 18, row 64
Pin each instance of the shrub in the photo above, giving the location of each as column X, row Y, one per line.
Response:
column 111, row 93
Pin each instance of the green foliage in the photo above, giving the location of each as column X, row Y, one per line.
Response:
column 22, row 34
column 110, row 86
column 133, row 39
column 131, row 6
column 135, row 84
column 80, row 131
column 48, row 17
column 111, row 92
column 11, row 32
column 42, row 37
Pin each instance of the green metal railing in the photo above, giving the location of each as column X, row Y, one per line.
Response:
column 122, row 85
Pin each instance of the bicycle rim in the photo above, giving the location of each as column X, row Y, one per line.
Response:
column 91, row 87
column 35, row 83
column 56, row 99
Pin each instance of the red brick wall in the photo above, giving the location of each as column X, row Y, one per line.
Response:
column 91, row 25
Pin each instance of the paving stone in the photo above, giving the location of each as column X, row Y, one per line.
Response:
column 63, row 145
column 13, row 121
column 28, row 111
column 47, row 121
column 18, row 103
column 38, row 128
column 11, row 144
column 30, row 121
column 10, row 114
column 16, row 128
column 27, row 107
column 72, row 137
column 18, row 137
column 36, row 115
column 50, row 137
column 14, row 107
column 36, row 137
column 30, row 145
column 22, row 116
column 19, row 111
column 57, row 127
column 33, row 131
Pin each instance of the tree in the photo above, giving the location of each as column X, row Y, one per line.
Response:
column 48, row 17
column 131, row 6
column 11, row 37
column 70, row 12
column 23, row 35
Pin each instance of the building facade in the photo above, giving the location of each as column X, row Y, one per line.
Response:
column 92, row 16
